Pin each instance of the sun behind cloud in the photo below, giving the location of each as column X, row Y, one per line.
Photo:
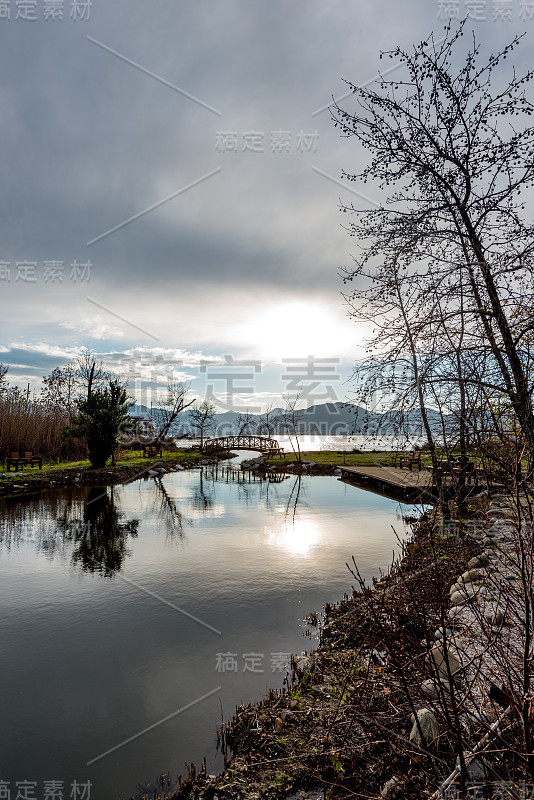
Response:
column 290, row 328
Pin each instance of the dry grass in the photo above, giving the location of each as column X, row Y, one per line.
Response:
column 28, row 424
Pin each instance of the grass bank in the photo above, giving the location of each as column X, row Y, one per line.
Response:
column 129, row 464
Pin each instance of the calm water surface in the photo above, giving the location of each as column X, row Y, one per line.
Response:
column 161, row 605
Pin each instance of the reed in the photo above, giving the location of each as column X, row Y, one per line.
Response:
column 32, row 424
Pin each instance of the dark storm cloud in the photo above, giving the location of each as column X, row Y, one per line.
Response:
column 89, row 141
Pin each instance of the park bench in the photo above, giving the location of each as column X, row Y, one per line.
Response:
column 151, row 450
column 16, row 461
column 410, row 461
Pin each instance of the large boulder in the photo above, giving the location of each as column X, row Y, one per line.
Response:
column 470, row 576
column 425, row 728
column 438, row 658
column 466, row 593
column 479, row 561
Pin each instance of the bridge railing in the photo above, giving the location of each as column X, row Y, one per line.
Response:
column 264, row 444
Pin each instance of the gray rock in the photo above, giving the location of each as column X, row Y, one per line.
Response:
column 393, row 788
column 497, row 618
column 438, row 659
column 479, row 561
column 459, row 598
column 439, row 633
column 468, row 592
column 489, row 541
column 434, row 688
column 428, row 729
column 476, row 770
column 470, row 576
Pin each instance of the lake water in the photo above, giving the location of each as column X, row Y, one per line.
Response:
column 135, row 618
column 318, row 442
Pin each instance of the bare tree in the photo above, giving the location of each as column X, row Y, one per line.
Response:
column 3, row 372
column 268, row 421
column 244, row 421
column 61, row 388
column 201, row 416
column 172, row 405
column 91, row 373
column 291, row 418
column 445, row 140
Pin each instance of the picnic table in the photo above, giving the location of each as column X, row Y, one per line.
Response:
column 455, row 469
column 410, row 460
column 16, row 461
column 152, row 450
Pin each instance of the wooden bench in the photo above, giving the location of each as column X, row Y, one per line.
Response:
column 409, row 461
column 151, row 450
column 16, row 461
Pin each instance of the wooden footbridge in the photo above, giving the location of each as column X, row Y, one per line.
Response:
column 265, row 444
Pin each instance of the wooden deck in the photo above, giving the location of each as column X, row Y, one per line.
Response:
column 399, row 484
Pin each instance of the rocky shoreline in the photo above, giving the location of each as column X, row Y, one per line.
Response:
column 404, row 668
column 27, row 483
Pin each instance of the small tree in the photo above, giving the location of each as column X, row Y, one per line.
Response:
column 99, row 419
column 268, row 421
column 244, row 422
column 201, row 416
column 291, row 418
column 60, row 388
column 174, row 403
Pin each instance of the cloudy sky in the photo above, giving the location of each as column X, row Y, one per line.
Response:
column 170, row 182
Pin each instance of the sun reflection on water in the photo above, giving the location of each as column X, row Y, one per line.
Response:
column 298, row 537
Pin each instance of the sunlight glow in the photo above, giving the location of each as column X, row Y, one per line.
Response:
column 298, row 537
column 292, row 328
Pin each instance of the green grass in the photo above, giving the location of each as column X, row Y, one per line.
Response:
column 333, row 458
column 124, row 458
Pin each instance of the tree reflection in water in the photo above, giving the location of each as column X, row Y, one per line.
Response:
column 173, row 519
column 101, row 541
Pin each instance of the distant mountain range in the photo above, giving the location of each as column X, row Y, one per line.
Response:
column 326, row 419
